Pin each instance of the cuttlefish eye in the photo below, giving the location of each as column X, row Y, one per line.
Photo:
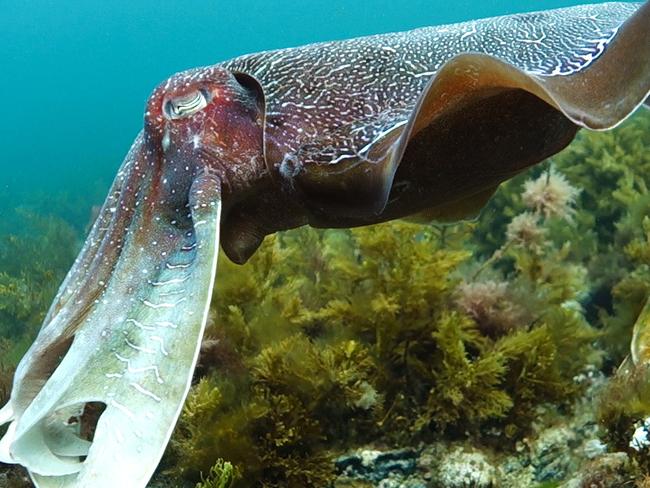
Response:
column 186, row 105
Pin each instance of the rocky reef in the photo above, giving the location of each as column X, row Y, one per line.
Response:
column 479, row 354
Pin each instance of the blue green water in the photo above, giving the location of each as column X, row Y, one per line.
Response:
column 75, row 74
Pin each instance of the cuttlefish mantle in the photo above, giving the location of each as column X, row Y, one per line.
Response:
column 339, row 134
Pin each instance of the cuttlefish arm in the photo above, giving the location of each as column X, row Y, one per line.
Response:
column 96, row 397
column 134, row 354
column 337, row 134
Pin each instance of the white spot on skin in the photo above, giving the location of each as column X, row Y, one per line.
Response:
column 171, row 325
column 172, row 293
column 166, row 141
column 146, row 350
column 154, row 369
column 309, row 89
column 121, row 358
column 139, row 325
column 169, row 282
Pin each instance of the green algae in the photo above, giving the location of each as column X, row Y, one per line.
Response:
column 611, row 169
column 221, row 475
column 35, row 255
column 36, row 251
column 362, row 340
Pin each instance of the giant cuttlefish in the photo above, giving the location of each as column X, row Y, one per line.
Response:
column 422, row 124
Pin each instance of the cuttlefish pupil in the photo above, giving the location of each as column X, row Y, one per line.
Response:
column 186, row 105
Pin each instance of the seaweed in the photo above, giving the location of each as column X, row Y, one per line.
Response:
column 463, row 390
column 611, row 170
column 541, row 363
column 33, row 261
column 35, row 253
column 331, row 339
column 221, row 475
column 624, row 405
column 6, row 370
column 276, row 426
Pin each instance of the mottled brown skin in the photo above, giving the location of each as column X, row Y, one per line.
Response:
column 476, row 123
column 231, row 146
column 476, row 147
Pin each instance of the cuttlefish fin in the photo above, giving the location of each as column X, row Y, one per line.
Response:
column 134, row 357
column 460, row 105
column 603, row 95
column 598, row 97
column 336, row 174
column 467, row 208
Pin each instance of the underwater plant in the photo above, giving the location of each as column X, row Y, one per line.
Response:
column 393, row 334
column 221, row 476
column 36, row 251
column 33, row 261
column 611, row 171
column 339, row 338
column 6, row 370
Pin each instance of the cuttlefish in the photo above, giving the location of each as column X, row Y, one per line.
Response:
column 422, row 124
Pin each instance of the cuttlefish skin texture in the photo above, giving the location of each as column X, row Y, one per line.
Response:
column 422, row 124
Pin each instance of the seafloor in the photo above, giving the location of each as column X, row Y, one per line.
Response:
column 479, row 354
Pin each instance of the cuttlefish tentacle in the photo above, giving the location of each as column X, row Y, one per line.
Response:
column 349, row 133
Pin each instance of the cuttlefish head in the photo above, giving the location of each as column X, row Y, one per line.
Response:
column 97, row 395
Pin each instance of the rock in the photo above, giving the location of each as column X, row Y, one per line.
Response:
column 640, row 440
column 594, row 448
column 612, row 469
column 515, row 472
column 375, row 466
column 551, row 454
column 399, row 482
column 465, row 468
column 14, row 477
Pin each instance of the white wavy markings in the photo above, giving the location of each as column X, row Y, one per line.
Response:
column 141, row 344
column 340, row 96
